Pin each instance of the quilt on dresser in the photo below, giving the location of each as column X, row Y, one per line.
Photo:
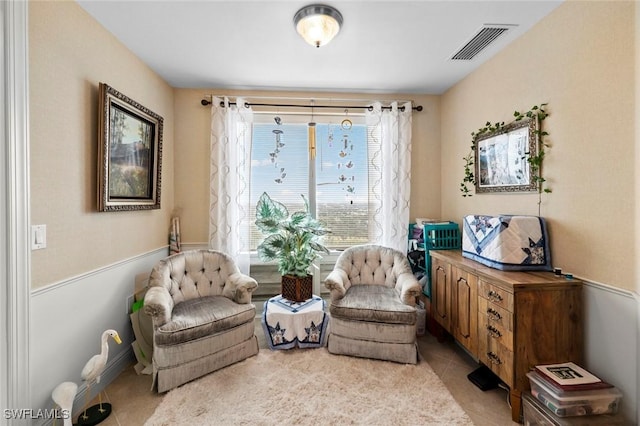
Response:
column 506, row 242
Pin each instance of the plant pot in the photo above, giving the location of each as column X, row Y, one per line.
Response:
column 297, row 289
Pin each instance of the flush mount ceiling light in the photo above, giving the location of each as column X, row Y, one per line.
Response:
column 317, row 23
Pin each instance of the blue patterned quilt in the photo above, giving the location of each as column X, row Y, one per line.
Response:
column 288, row 324
column 509, row 243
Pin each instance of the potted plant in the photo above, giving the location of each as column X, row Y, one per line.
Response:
column 294, row 241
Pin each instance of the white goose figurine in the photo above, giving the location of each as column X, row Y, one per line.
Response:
column 96, row 365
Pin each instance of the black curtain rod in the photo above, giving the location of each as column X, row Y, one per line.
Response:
column 206, row 102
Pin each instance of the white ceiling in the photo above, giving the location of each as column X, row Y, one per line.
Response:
column 383, row 47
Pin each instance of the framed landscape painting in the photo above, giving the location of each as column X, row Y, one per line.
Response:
column 129, row 153
column 502, row 158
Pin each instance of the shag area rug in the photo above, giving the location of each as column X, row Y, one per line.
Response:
column 312, row 387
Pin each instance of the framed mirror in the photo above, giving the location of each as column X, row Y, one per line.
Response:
column 502, row 158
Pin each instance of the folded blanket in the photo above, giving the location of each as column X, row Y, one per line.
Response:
column 510, row 243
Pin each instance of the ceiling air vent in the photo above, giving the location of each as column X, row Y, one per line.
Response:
column 480, row 41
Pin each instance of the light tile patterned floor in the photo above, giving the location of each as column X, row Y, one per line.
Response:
column 133, row 401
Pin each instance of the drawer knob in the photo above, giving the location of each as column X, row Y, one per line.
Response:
column 493, row 332
column 494, row 296
column 493, row 314
column 493, row 358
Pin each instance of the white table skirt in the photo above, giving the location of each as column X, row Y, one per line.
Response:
column 287, row 324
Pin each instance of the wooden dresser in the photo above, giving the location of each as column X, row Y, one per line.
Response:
column 509, row 321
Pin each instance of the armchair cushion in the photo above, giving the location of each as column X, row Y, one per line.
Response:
column 372, row 264
column 375, row 303
column 202, row 317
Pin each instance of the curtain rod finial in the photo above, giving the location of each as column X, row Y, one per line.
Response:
column 205, row 102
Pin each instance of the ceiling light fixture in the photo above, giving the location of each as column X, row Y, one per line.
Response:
column 317, row 23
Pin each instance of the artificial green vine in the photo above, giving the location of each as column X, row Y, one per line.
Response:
column 535, row 161
column 469, row 177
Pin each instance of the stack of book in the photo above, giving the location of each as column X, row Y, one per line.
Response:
column 569, row 390
column 570, row 377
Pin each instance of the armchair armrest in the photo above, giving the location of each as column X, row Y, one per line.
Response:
column 335, row 282
column 239, row 287
column 409, row 288
column 158, row 304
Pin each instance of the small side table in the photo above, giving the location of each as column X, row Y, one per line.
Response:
column 288, row 324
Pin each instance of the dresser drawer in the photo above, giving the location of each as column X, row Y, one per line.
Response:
column 501, row 333
column 496, row 295
column 495, row 315
column 497, row 357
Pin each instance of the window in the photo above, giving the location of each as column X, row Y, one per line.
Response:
column 336, row 182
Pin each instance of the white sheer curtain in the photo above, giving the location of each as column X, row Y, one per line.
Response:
column 230, row 170
column 391, row 131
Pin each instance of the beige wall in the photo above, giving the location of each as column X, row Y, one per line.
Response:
column 580, row 60
column 637, row 161
column 192, row 154
column 69, row 54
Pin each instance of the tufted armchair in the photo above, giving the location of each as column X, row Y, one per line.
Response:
column 203, row 318
column 373, row 299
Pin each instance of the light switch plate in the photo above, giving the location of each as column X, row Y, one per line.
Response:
column 38, row 237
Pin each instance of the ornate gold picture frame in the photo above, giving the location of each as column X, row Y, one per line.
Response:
column 129, row 153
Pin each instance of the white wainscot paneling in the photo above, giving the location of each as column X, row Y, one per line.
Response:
column 611, row 341
column 67, row 321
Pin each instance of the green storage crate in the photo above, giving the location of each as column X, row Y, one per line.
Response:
column 442, row 236
column 437, row 236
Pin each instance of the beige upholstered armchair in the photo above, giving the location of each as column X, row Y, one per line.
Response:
column 373, row 299
column 203, row 318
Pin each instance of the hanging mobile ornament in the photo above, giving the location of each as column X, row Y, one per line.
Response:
column 282, row 176
column 346, row 123
column 279, row 144
column 350, row 191
column 277, row 118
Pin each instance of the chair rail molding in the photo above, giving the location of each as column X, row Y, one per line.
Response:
column 14, row 208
